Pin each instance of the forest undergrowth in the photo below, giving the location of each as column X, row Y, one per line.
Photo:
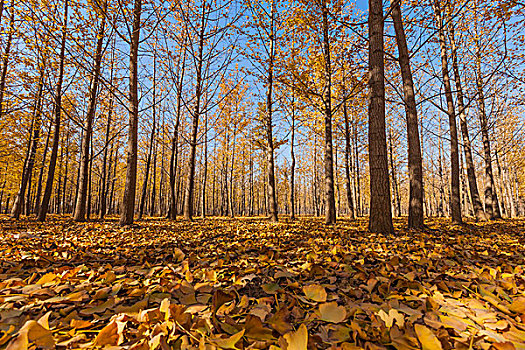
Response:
column 248, row 284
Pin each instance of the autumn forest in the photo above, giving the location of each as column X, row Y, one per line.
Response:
column 262, row 174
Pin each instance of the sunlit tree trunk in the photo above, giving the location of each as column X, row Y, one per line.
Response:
column 380, row 205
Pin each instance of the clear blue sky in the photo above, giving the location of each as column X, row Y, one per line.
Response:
column 362, row 4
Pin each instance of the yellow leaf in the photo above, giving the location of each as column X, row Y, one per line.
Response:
column 297, row 340
column 315, row 292
column 32, row 332
column 427, row 338
column 518, row 305
column 331, row 312
column 229, row 343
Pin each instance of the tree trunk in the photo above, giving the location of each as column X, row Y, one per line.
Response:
column 270, row 166
column 44, row 206
column 80, row 207
column 455, row 200
column 190, row 185
column 151, row 141
column 467, row 146
column 415, row 164
column 327, row 104
column 33, row 145
column 128, row 200
column 491, row 197
column 380, row 205
column 292, row 156
column 348, row 151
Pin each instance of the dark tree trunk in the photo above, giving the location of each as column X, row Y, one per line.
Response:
column 44, row 206
column 327, row 104
column 348, row 152
column 380, row 205
column 128, row 200
column 80, row 207
column 455, row 200
column 33, row 145
column 190, row 185
column 415, row 164
column 467, row 147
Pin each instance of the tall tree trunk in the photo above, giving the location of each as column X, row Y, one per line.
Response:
column 205, row 166
column 455, row 200
column 292, row 156
column 348, row 151
column 380, row 205
column 44, row 206
column 190, row 185
column 33, row 145
column 415, row 164
column 395, row 187
column 172, row 212
column 327, row 104
column 41, row 173
column 151, row 141
column 491, row 197
column 270, row 166
column 80, row 207
column 467, row 146
column 130, row 187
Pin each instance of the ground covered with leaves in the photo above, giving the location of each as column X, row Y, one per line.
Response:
column 249, row 284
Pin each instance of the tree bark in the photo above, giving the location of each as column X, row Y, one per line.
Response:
column 33, row 145
column 380, row 205
column 270, row 166
column 415, row 164
column 190, row 185
column 80, row 207
column 455, row 200
column 44, row 206
column 348, row 151
column 467, row 146
column 491, row 197
column 128, row 200
column 151, row 141
column 5, row 61
column 330, row 217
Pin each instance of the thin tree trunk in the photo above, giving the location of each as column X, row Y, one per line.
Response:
column 270, row 166
column 455, row 200
column 152, row 139
column 80, row 207
column 292, row 156
column 380, row 205
column 190, row 185
column 348, row 151
column 128, row 200
column 205, row 166
column 467, row 146
column 491, row 198
column 327, row 104
column 57, row 112
column 415, row 164
column 29, row 163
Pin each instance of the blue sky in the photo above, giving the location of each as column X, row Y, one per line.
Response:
column 362, row 4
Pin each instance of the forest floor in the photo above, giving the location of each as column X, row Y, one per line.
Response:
column 249, row 284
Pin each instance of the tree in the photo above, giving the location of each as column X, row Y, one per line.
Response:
column 380, row 208
column 455, row 200
column 128, row 199
column 415, row 166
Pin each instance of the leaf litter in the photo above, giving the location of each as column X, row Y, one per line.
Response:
column 250, row 284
